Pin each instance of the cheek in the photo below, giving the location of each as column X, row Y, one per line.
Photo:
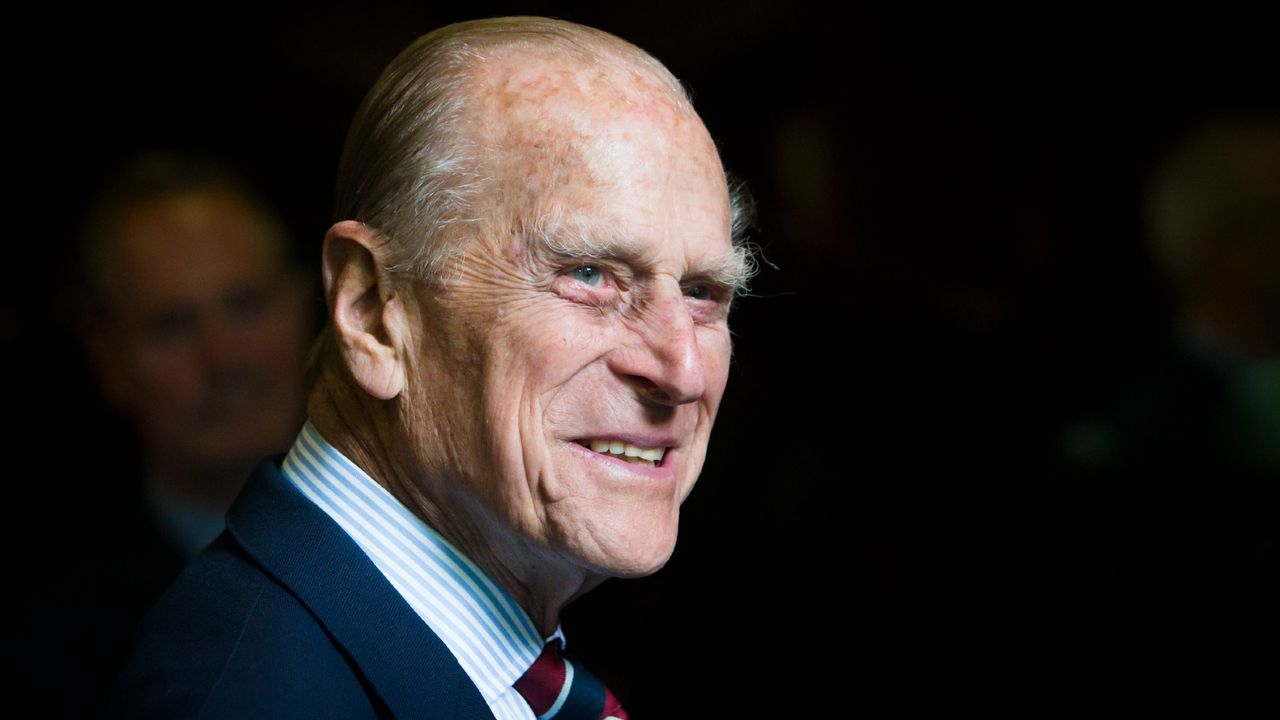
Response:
column 279, row 353
column 163, row 391
column 170, row 375
column 519, row 370
column 717, row 350
column 560, row 345
column 536, row 382
column 545, row 382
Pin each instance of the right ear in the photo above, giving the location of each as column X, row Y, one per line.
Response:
column 366, row 313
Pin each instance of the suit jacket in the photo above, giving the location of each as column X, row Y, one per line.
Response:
column 284, row 616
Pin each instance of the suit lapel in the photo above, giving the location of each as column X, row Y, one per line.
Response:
column 295, row 542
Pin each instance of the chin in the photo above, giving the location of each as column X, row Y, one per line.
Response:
column 639, row 570
column 640, row 552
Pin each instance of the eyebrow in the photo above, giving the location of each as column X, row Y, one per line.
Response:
column 731, row 270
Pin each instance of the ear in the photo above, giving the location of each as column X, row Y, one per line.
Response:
column 367, row 314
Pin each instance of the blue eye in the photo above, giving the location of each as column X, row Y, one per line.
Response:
column 698, row 292
column 589, row 274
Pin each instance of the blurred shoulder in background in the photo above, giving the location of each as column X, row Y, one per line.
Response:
column 1160, row 526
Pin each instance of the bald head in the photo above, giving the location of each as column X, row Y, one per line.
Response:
column 420, row 159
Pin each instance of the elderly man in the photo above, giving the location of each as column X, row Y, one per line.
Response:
column 528, row 340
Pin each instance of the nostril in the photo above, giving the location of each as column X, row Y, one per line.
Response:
column 658, row 413
column 648, row 390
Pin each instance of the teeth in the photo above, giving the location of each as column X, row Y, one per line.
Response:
column 628, row 452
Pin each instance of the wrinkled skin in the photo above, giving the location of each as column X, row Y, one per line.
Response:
column 616, row 328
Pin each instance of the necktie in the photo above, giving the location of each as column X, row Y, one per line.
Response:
column 557, row 688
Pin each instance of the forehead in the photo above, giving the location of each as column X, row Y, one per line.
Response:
column 544, row 106
column 184, row 246
column 597, row 140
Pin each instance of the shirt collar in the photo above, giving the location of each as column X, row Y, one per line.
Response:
column 491, row 636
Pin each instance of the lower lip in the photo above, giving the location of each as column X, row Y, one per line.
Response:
column 662, row 471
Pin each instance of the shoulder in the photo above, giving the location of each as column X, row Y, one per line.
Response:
column 227, row 640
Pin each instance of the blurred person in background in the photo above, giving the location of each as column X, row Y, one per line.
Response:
column 197, row 331
column 196, row 326
column 1160, row 529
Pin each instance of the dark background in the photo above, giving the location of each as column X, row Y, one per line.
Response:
column 949, row 211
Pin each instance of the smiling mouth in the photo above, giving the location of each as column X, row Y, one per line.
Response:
column 649, row 457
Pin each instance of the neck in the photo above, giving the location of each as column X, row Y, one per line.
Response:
column 368, row 432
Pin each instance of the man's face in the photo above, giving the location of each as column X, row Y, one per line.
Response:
column 568, row 373
column 206, row 334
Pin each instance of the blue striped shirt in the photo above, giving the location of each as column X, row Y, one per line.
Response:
column 491, row 636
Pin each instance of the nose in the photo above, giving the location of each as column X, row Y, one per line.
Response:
column 665, row 364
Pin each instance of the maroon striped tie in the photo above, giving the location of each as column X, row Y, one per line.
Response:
column 557, row 688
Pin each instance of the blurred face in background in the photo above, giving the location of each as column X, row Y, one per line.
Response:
column 205, row 330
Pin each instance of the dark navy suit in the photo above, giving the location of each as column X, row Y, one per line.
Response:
column 283, row 616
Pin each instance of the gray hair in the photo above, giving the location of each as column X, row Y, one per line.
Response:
column 408, row 170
